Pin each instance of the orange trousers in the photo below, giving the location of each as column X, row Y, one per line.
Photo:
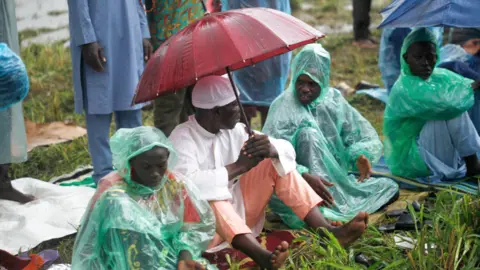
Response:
column 257, row 186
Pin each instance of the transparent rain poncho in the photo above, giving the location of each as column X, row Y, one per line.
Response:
column 389, row 53
column 328, row 136
column 413, row 102
column 262, row 83
column 132, row 226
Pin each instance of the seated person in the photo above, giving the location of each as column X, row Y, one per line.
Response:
column 148, row 218
column 461, row 54
column 428, row 132
column 330, row 138
column 14, row 87
column 238, row 173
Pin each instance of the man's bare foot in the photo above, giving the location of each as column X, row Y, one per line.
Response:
column 279, row 255
column 336, row 223
column 352, row 230
column 11, row 194
column 189, row 265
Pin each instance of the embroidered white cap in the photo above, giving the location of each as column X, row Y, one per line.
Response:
column 212, row 91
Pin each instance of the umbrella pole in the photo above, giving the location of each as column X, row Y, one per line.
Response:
column 247, row 123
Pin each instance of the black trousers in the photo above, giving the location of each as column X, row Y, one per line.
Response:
column 361, row 18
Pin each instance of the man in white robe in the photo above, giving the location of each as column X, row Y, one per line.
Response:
column 238, row 173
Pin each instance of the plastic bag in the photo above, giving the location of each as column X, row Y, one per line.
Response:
column 132, row 226
column 328, row 136
column 14, row 82
column 413, row 102
column 262, row 83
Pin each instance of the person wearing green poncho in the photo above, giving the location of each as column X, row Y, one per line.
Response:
column 330, row 137
column 428, row 132
column 148, row 218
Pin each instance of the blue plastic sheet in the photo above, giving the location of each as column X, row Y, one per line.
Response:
column 261, row 84
column 416, row 13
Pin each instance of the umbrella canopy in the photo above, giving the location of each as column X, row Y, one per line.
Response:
column 449, row 13
column 218, row 43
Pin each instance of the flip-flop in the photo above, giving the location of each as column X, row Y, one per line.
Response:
column 405, row 222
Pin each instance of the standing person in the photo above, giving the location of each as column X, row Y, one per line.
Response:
column 166, row 18
column 261, row 84
column 13, row 82
column 109, row 44
column 361, row 24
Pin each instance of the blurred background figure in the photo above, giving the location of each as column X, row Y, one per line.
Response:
column 259, row 85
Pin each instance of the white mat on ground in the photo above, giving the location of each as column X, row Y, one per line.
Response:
column 56, row 213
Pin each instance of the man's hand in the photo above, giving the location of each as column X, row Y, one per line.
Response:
column 147, row 49
column 364, row 168
column 189, row 265
column 242, row 165
column 93, row 55
column 320, row 187
column 476, row 85
column 259, row 146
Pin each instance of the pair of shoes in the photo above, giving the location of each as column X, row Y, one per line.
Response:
column 365, row 43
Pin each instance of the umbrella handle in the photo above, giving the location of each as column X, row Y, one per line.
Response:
column 204, row 6
column 247, row 123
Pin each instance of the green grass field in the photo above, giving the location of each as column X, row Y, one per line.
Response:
column 452, row 241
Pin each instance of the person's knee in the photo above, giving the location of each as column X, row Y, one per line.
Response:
column 306, row 134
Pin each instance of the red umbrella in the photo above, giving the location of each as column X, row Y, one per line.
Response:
column 218, row 43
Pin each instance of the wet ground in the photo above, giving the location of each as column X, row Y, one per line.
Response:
column 47, row 20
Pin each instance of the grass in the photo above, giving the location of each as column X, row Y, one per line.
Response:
column 455, row 229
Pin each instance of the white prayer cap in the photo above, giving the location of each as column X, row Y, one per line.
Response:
column 212, row 91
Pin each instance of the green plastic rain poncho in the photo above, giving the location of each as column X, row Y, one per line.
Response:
column 413, row 102
column 328, row 136
column 132, row 226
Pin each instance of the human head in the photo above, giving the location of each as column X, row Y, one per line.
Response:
column 311, row 73
column 14, row 84
column 141, row 156
column 419, row 53
column 214, row 100
column 468, row 38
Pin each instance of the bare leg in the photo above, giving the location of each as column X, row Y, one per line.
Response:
column 346, row 234
column 247, row 244
column 7, row 192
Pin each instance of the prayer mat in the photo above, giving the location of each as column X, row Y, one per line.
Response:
column 224, row 258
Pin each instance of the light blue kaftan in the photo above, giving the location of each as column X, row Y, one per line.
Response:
column 119, row 26
column 261, row 84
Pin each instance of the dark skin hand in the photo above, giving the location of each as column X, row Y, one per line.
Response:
column 320, row 185
column 185, row 262
column 94, row 56
column 476, row 85
column 255, row 149
column 364, row 168
column 147, row 49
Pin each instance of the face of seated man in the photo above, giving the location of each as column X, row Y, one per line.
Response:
column 421, row 58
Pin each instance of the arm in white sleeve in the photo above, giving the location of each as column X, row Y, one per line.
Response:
column 286, row 156
column 212, row 184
